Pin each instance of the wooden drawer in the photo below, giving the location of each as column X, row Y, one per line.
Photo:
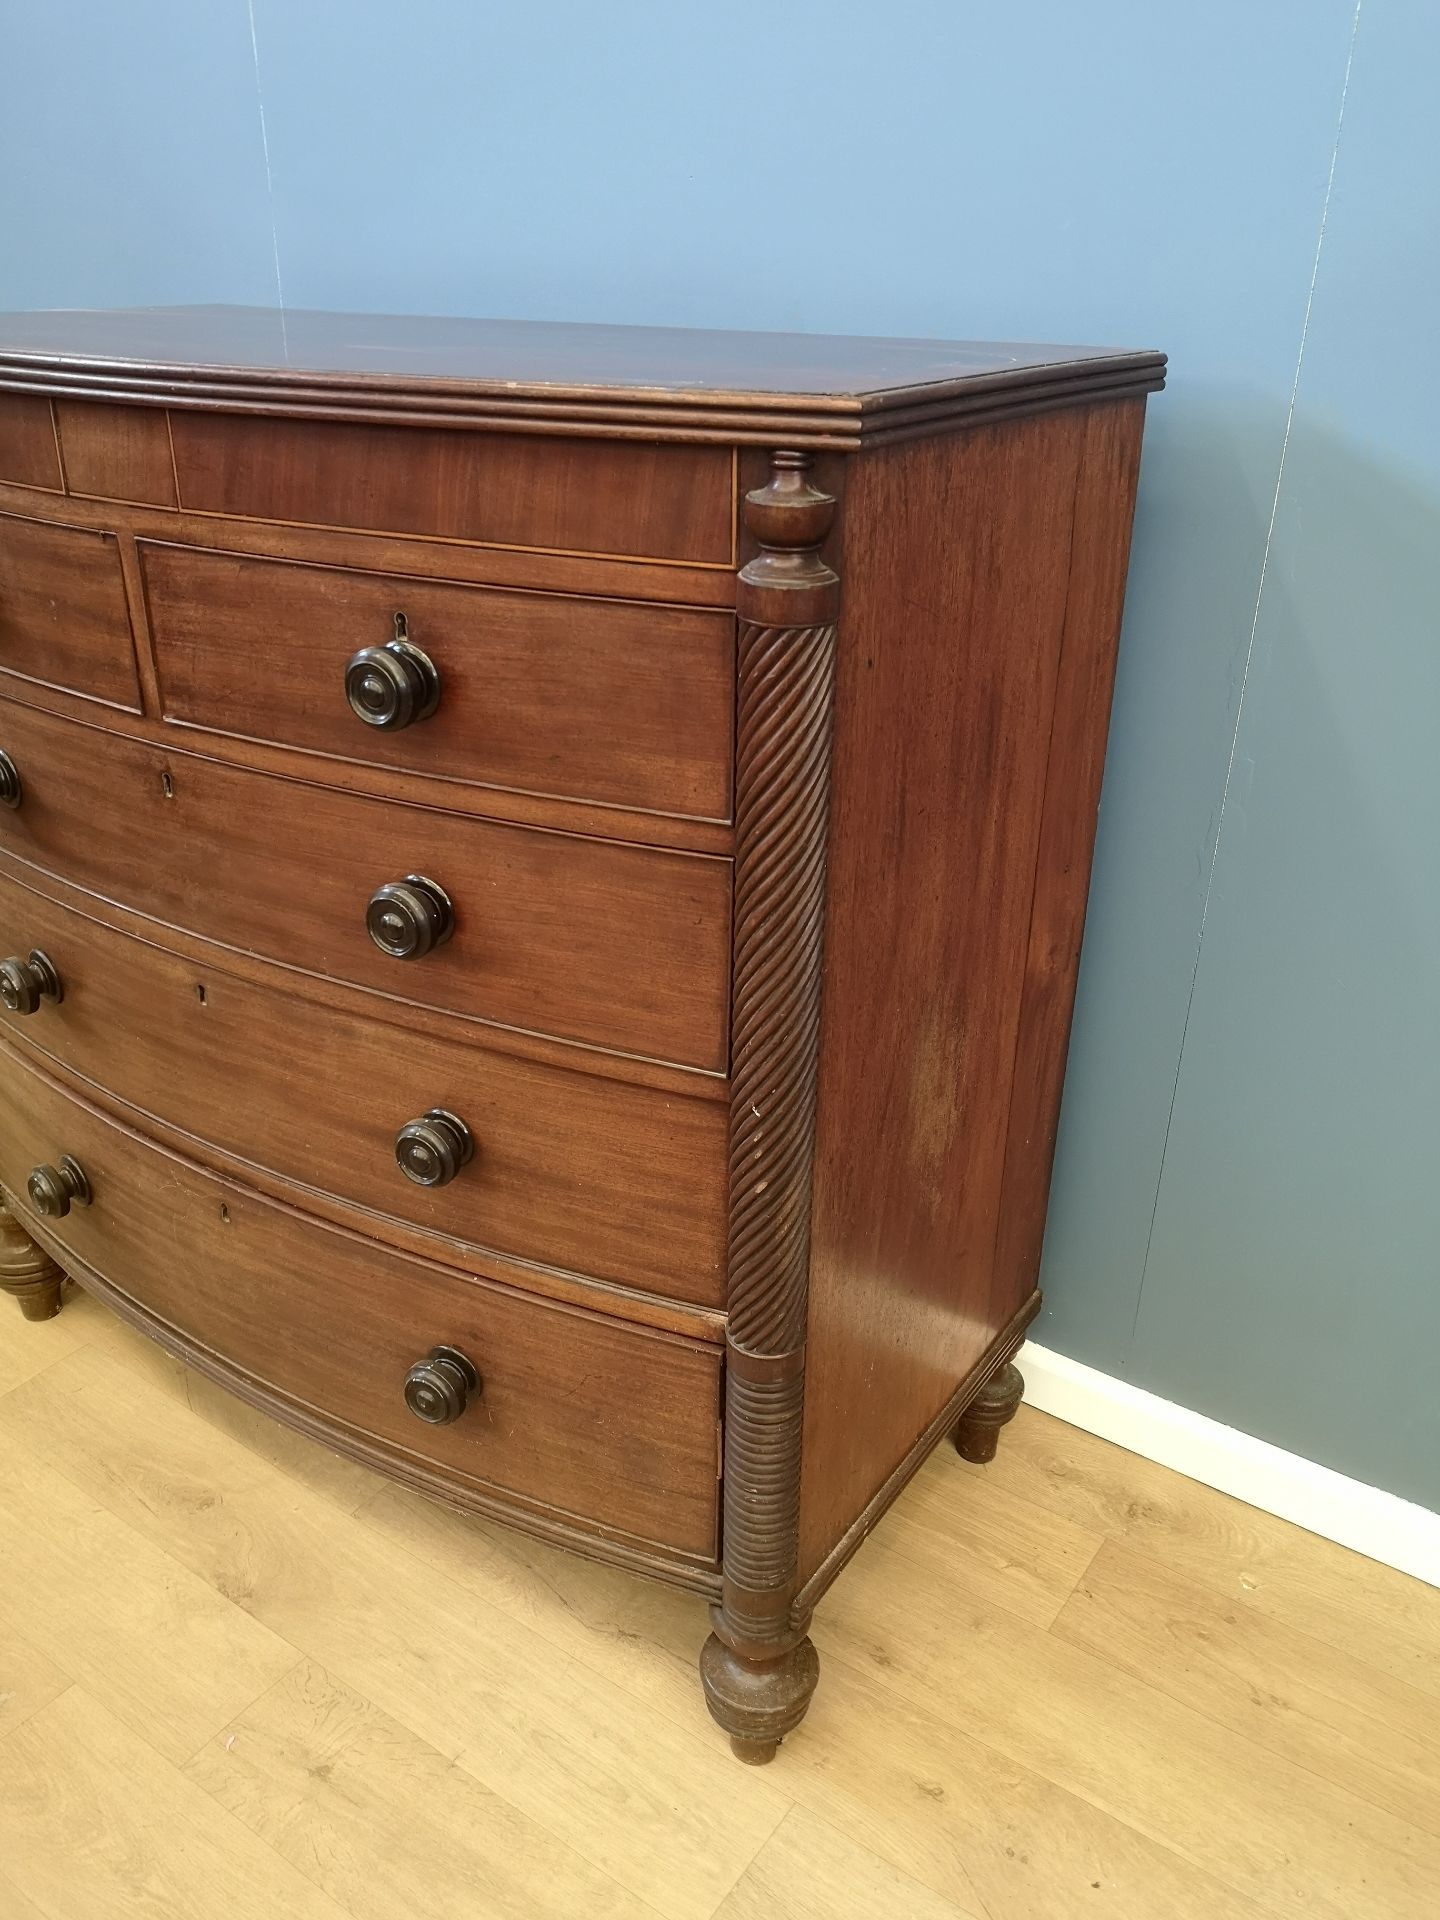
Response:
column 612, row 1425
column 629, row 498
column 621, row 946
column 64, row 621
column 593, row 1175
column 29, row 456
column 599, row 700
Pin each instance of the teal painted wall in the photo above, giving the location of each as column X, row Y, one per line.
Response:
column 1246, row 1205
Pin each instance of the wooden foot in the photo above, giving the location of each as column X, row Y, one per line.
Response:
column 27, row 1271
column 977, row 1432
column 758, row 1703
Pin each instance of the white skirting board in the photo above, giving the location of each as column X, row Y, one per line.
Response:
column 1375, row 1523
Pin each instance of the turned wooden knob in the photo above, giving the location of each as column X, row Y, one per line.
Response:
column 25, row 983
column 9, row 782
column 407, row 918
column 392, row 686
column 438, row 1388
column 432, row 1150
column 54, row 1190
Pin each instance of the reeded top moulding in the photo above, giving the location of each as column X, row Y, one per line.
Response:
column 653, row 383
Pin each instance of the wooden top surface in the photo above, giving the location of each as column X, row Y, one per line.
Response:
column 667, row 382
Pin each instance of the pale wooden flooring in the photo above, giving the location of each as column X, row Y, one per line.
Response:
column 243, row 1680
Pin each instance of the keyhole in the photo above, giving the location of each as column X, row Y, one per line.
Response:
column 167, row 786
column 224, row 1213
column 402, row 627
column 200, row 991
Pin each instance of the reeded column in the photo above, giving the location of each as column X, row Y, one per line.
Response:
column 758, row 1667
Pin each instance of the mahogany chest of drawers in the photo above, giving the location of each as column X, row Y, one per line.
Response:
column 543, row 870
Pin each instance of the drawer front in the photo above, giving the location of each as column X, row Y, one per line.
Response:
column 622, row 497
column 621, row 946
column 64, row 621
column 574, row 1171
column 597, row 700
column 29, row 456
column 594, row 1418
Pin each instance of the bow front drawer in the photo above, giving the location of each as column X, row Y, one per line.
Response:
column 619, row 946
column 499, row 688
column 580, row 1171
column 600, row 1423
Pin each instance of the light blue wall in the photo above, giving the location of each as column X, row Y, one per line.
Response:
column 1245, row 1214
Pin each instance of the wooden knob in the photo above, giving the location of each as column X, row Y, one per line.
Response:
column 25, row 983
column 407, row 918
column 9, row 782
column 438, row 1388
column 54, row 1190
column 392, row 686
column 433, row 1149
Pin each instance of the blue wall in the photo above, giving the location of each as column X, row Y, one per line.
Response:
column 1247, row 1207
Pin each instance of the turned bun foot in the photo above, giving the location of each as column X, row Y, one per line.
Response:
column 977, row 1432
column 757, row 1703
column 27, row 1271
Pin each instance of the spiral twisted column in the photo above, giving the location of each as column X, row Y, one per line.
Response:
column 758, row 1667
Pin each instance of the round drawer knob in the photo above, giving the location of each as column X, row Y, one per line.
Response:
column 393, row 685
column 9, row 782
column 407, row 918
column 54, row 1190
column 438, row 1387
column 433, row 1149
column 25, row 983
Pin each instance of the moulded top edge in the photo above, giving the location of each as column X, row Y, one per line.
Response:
column 483, row 369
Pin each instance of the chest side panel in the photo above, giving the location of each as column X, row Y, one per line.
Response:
column 964, row 594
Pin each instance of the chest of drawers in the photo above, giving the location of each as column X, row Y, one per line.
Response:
column 543, row 870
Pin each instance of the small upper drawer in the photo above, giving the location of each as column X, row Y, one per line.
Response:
column 64, row 621
column 613, row 1425
column 29, row 456
column 621, row 946
column 633, row 499
column 596, row 700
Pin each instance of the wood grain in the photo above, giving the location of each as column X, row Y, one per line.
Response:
column 64, row 621
column 509, row 490
column 617, row 946
column 975, row 1824
column 116, row 453
column 1276, row 1832
column 947, row 667
column 809, row 1870
column 1328, row 1711
column 1023, row 1558
column 169, row 1656
column 1100, row 550
column 587, row 1174
column 1337, row 1597
column 312, row 1314
column 370, row 1813
column 257, row 648
column 99, row 1827
column 29, row 1678
column 28, row 454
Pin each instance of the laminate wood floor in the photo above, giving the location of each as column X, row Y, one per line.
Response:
column 241, row 1679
